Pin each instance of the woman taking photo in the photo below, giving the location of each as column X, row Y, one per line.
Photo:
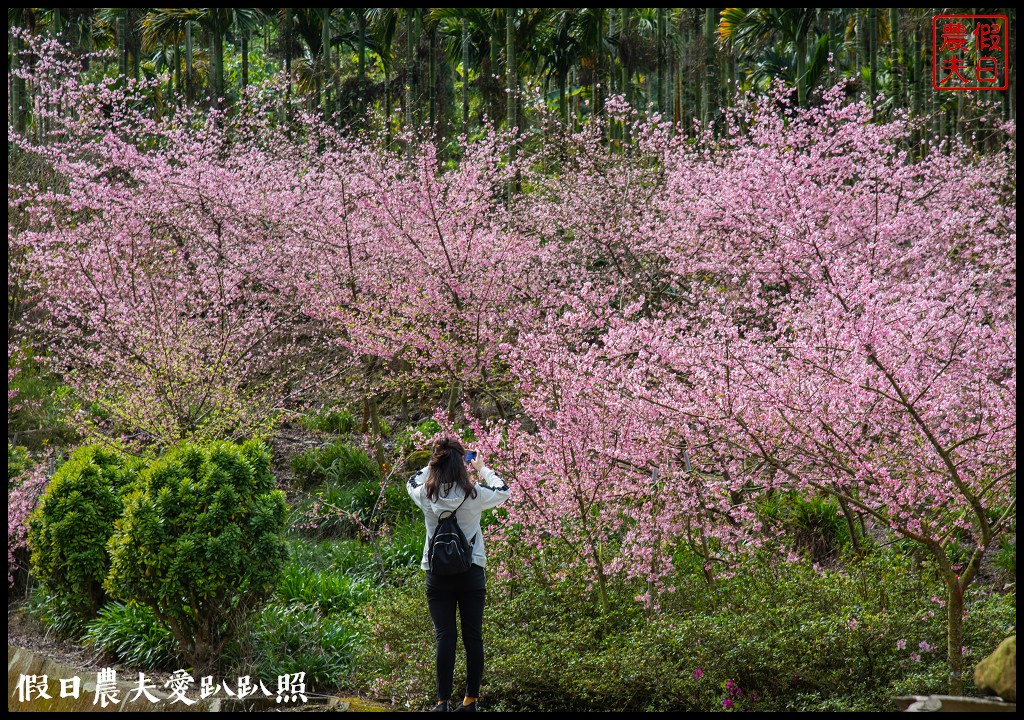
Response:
column 454, row 484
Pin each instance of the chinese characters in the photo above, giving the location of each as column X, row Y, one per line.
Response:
column 291, row 688
column 970, row 52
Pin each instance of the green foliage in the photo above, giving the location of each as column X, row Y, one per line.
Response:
column 349, row 556
column 349, row 510
column 17, row 461
column 295, row 638
column 131, row 634
column 399, row 548
column 38, row 405
column 68, row 532
column 1006, row 555
column 814, row 527
column 201, row 543
column 330, row 592
column 775, row 636
column 416, row 437
column 338, row 462
column 54, row 612
column 417, row 460
column 335, row 420
column 399, row 621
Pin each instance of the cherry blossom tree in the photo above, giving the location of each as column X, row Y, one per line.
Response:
column 812, row 308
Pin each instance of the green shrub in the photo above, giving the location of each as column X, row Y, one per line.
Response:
column 775, row 636
column 339, row 463
column 131, row 633
column 68, row 532
column 201, row 543
column 284, row 639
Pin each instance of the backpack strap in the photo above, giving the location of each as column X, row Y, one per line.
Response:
column 445, row 516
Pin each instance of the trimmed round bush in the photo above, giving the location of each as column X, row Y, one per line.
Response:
column 201, row 543
column 68, row 532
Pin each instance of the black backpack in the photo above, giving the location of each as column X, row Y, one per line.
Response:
column 449, row 552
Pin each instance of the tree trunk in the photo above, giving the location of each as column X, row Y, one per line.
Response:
column 217, row 51
column 17, row 113
column 189, row 76
column 177, row 62
column 408, row 70
column 708, row 108
column 873, row 53
column 662, row 41
column 418, row 29
column 136, row 46
column 245, row 60
column 454, row 394
column 465, row 77
column 897, row 58
column 362, row 99
column 325, row 57
column 122, row 44
column 801, row 70
column 510, row 67
column 625, row 76
column 563, row 105
column 432, row 81
column 955, row 635
column 288, row 50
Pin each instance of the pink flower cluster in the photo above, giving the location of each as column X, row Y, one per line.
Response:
column 667, row 333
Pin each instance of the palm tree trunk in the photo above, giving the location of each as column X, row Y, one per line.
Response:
column 362, row 99
column 709, row 65
column 432, row 80
column 189, row 77
column 408, row 69
column 17, row 113
column 510, row 67
column 801, row 70
column 325, row 56
column 563, row 105
column 217, row 51
column 662, row 34
column 122, row 44
column 136, row 43
column 873, row 53
column 245, row 59
column 609, row 86
column 489, row 80
column 915, row 63
column 288, row 50
column 896, row 58
column 177, row 62
column 465, row 76
column 418, row 29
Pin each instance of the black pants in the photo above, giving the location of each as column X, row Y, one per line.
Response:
column 465, row 592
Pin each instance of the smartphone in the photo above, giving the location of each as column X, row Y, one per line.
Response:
column 470, row 455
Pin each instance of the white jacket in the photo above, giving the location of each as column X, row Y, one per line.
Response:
column 491, row 493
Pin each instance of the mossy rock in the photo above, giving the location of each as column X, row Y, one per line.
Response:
column 997, row 673
column 417, row 460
